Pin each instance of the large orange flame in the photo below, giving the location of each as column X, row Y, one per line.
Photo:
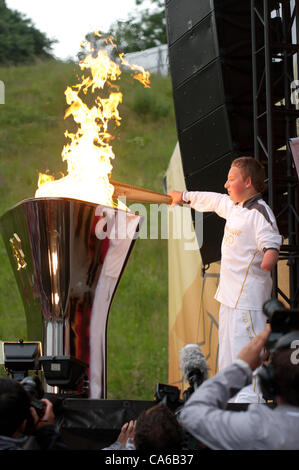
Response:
column 89, row 153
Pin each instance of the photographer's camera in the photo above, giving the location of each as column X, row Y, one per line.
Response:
column 33, row 387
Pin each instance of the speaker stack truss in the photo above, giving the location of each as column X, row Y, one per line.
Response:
column 278, row 48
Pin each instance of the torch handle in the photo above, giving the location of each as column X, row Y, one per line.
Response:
column 134, row 193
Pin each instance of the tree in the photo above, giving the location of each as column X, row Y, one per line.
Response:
column 142, row 30
column 20, row 41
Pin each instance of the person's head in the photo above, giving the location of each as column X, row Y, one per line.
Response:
column 157, row 428
column 286, row 372
column 245, row 178
column 14, row 407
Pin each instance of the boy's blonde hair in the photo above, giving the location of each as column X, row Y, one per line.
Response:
column 249, row 166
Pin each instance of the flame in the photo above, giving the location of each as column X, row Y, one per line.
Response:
column 88, row 153
column 142, row 76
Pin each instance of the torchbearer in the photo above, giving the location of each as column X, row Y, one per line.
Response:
column 250, row 250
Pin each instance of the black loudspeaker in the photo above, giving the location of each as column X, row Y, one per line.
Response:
column 211, row 70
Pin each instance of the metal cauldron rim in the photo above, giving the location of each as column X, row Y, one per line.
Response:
column 56, row 198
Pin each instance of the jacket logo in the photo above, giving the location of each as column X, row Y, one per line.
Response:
column 230, row 236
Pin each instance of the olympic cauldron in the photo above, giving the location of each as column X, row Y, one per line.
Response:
column 68, row 256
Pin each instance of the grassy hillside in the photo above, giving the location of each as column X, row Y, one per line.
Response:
column 31, row 140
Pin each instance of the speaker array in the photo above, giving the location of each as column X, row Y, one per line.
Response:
column 211, row 70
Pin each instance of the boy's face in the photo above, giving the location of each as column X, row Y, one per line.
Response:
column 236, row 186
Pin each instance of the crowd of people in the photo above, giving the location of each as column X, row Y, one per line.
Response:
column 204, row 415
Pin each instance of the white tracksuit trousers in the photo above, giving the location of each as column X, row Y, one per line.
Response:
column 236, row 329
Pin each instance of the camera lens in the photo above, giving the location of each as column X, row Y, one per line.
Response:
column 33, row 386
column 272, row 306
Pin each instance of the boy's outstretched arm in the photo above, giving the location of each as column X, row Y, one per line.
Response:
column 269, row 260
column 176, row 196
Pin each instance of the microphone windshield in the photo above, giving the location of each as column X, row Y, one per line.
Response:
column 192, row 361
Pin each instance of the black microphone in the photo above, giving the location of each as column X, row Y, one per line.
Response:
column 193, row 365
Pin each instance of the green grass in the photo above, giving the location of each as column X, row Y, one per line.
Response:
column 31, row 140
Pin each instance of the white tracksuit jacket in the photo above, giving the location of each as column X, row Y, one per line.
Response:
column 249, row 231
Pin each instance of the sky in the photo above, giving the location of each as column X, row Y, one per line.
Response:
column 69, row 20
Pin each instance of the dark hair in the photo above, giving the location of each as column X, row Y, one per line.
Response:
column 157, row 428
column 286, row 375
column 14, row 406
column 249, row 166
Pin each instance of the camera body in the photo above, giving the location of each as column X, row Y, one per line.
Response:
column 282, row 321
column 284, row 330
column 33, row 387
column 169, row 395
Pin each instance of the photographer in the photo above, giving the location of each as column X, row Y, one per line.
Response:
column 260, row 427
column 20, row 426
